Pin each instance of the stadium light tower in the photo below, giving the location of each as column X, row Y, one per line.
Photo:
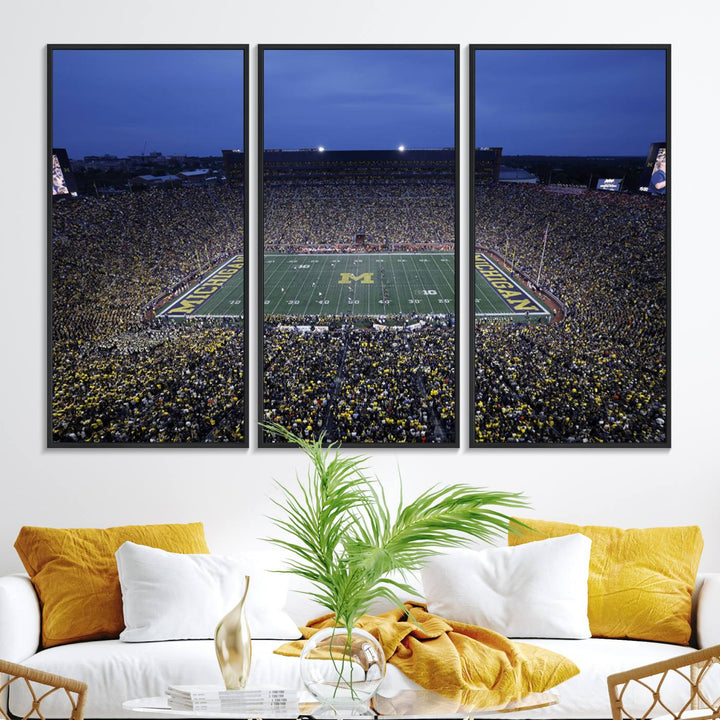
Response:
column 401, row 148
column 542, row 255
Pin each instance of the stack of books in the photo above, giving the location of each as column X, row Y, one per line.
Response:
column 251, row 702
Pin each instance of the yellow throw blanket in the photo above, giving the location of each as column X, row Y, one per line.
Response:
column 466, row 664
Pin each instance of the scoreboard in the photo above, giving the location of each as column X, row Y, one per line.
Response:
column 234, row 166
column 487, row 164
column 613, row 184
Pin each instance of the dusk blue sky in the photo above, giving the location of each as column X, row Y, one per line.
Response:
column 570, row 102
column 561, row 102
column 359, row 99
column 177, row 101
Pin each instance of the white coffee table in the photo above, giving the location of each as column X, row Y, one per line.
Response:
column 406, row 705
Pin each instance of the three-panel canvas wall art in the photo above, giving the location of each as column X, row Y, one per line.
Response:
column 361, row 237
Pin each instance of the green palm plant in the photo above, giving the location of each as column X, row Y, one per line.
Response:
column 346, row 541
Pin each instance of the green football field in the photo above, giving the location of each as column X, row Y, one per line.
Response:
column 367, row 284
column 360, row 284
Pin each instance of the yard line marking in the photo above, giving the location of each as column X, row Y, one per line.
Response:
column 408, row 283
column 445, row 279
column 327, row 270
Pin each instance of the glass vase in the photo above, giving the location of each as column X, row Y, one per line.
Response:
column 233, row 645
column 342, row 670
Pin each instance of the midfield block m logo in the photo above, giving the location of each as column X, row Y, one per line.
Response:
column 364, row 278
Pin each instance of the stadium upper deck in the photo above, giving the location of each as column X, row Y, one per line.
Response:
column 373, row 165
column 389, row 200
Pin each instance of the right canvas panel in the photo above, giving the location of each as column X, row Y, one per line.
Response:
column 570, row 168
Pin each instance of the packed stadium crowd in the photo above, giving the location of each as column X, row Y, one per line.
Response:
column 112, row 255
column 601, row 375
column 168, row 382
column 361, row 384
column 118, row 375
column 328, row 214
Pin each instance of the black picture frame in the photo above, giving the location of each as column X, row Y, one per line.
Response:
column 263, row 441
column 663, row 440
column 235, row 414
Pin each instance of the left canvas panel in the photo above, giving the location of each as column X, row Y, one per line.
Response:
column 147, row 220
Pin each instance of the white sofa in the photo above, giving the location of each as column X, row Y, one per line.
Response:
column 116, row 671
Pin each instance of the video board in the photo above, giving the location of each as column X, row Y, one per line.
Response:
column 658, row 177
column 655, row 177
column 63, row 180
column 612, row 184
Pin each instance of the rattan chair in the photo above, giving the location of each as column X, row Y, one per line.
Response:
column 41, row 685
column 697, row 672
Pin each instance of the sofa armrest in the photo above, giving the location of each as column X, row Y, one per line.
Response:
column 708, row 610
column 19, row 618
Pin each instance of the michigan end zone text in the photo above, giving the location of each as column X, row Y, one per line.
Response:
column 191, row 301
column 514, row 295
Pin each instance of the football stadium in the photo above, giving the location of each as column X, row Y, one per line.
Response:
column 359, row 295
column 360, row 334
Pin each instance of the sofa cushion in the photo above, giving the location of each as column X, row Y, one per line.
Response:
column 75, row 574
column 117, row 671
column 183, row 596
column 641, row 580
column 530, row 591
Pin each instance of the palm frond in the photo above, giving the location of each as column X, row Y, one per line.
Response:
column 346, row 541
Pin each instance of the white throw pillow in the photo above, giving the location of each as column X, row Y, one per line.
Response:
column 536, row 590
column 176, row 596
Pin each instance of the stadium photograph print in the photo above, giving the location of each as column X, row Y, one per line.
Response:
column 146, row 245
column 570, row 246
column 358, row 178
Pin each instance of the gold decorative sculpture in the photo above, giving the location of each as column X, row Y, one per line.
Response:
column 233, row 645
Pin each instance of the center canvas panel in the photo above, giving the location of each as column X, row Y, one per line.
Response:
column 358, row 229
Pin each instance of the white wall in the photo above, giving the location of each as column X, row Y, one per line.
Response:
column 227, row 489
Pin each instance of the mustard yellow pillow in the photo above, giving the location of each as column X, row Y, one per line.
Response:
column 75, row 574
column 641, row 581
